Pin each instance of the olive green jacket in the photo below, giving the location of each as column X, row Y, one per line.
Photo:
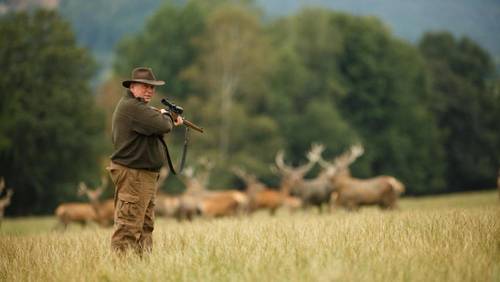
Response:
column 135, row 131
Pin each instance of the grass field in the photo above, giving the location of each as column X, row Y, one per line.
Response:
column 445, row 238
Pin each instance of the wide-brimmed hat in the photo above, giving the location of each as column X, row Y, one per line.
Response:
column 143, row 75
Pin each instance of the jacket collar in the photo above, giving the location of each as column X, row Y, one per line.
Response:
column 129, row 94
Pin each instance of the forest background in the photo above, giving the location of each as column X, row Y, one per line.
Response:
column 259, row 77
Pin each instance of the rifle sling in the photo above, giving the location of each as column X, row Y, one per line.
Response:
column 184, row 152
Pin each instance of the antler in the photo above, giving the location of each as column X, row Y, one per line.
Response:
column 2, row 184
column 188, row 172
column 248, row 178
column 93, row 195
column 192, row 183
column 347, row 158
column 204, row 177
column 280, row 163
column 5, row 201
column 313, row 156
column 328, row 167
column 104, row 184
column 252, row 182
column 206, row 163
column 82, row 188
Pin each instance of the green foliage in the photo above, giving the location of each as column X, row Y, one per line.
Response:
column 317, row 76
column 254, row 140
column 196, row 47
column 466, row 107
column 386, row 103
column 165, row 44
column 377, row 83
column 51, row 133
column 230, row 67
column 319, row 122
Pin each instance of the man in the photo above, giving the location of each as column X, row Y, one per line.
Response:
column 136, row 161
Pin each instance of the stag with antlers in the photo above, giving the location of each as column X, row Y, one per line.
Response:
column 312, row 192
column 5, row 201
column 261, row 197
column 197, row 200
column 293, row 175
column 351, row 193
column 104, row 211
column 81, row 213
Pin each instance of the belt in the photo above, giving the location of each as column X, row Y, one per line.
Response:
column 152, row 169
column 148, row 169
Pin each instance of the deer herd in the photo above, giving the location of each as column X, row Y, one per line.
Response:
column 333, row 187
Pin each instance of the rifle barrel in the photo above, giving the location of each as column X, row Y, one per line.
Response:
column 193, row 126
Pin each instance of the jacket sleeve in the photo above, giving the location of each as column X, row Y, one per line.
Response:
column 147, row 121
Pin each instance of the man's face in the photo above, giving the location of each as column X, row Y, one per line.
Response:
column 141, row 90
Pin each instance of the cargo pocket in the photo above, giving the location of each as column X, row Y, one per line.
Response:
column 128, row 209
column 113, row 173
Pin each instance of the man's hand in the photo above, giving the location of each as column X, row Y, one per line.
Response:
column 178, row 120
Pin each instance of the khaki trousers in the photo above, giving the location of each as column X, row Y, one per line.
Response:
column 135, row 191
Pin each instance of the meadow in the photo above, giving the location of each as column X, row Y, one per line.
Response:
column 442, row 238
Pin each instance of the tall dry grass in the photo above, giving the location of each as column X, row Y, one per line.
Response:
column 447, row 238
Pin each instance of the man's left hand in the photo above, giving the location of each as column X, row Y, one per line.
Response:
column 178, row 120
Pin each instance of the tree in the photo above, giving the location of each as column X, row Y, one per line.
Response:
column 466, row 108
column 387, row 103
column 373, row 83
column 165, row 44
column 214, row 58
column 232, row 56
column 304, row 81
column 229, row 76
column 51, row 132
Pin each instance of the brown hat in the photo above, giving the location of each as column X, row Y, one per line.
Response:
column 143, row 75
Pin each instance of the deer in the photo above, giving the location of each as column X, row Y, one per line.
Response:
column 5, row 201
column 311, row 192
column 352, row 193
column 197, row 200
column 81, row 213
column 261, row 197
column 104, row 211
column 165, row 204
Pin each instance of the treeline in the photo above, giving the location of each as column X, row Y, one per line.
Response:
column 426, row 114
column 51, row 134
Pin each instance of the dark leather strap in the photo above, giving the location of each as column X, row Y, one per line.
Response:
column 184, row 152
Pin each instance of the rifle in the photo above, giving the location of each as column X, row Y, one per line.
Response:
column 178, row 110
